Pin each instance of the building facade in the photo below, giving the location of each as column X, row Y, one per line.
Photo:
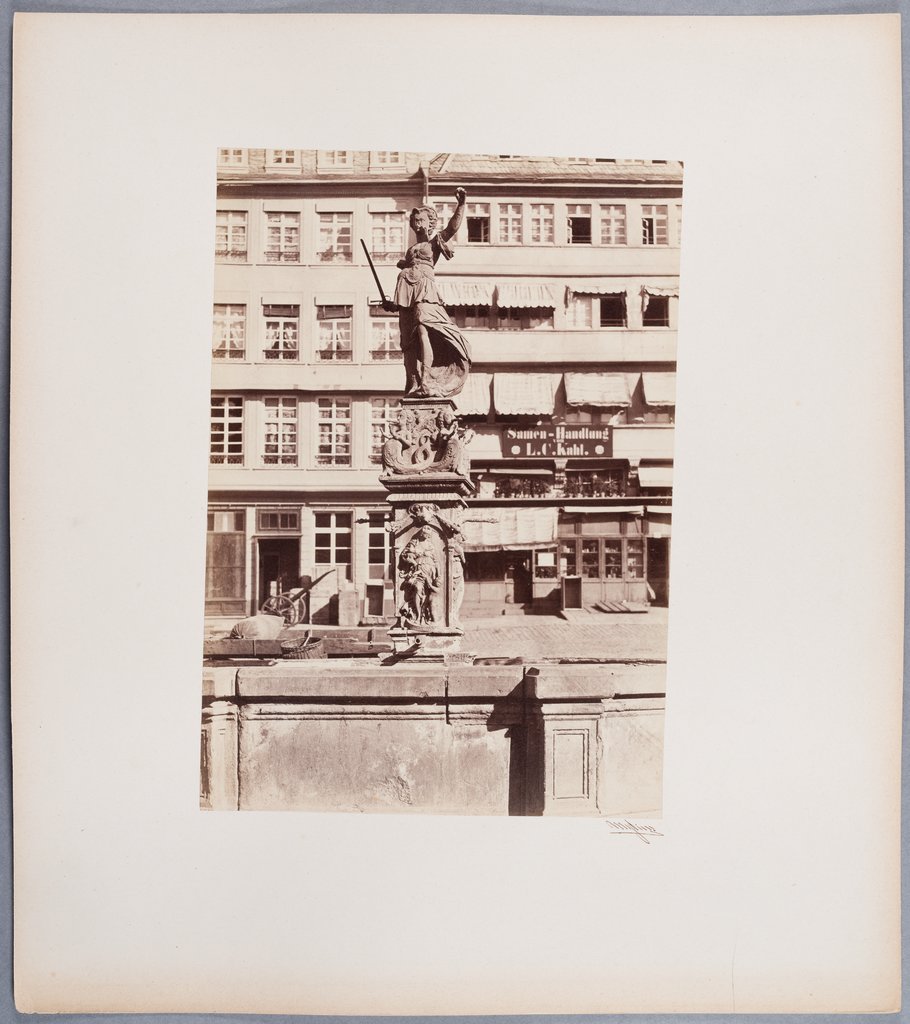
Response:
column 565, row 282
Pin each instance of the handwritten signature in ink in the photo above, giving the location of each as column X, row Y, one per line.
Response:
column 632, row 828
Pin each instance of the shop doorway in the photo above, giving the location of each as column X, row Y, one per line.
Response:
column 659, row 569
column 279, row 565
column 497, row 582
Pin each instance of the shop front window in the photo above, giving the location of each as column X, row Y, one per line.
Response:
column 635, row 559
column 545, row 565
column 612, row 559
column 590, row 559
column 568, row 561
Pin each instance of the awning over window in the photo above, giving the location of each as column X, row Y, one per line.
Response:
column 525, row 394
column 659, row 388
column 655, row 476
column 660, row 510
column 654, row 289
column 604, row 390
column 474, row 398
column 587, row 510
column 513, row 529
column 527, row 295
column 598, row 286
column 456, row 291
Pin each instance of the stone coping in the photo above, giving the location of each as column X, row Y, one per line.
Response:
column 352, row 679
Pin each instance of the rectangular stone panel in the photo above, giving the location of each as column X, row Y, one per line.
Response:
column 325, row 758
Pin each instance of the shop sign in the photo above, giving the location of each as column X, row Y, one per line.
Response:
column 557, row 441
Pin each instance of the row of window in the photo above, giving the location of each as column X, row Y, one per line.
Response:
column 277, row 428
column 280, row 435
column 594, row 558
column 609, row 224
column 326, row 159
column 496, row 223
column 333, row 539
column 331, row 327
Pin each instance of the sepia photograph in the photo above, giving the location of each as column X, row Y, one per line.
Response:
column 440, row 482
column 565, row 687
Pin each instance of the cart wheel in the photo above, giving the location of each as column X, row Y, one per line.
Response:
column 282, row 606
column 292, row 613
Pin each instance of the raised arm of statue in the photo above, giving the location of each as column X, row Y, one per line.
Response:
column 454, row 224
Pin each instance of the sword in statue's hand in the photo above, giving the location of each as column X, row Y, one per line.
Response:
column 366, row 253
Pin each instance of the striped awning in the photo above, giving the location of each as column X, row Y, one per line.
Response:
column 604, row 390
column 659, row 388
column 459, row 291
column 512, row 529
column 474, row 398
column 527, row 295
column 525, row 394
column 599, row 286
column 655, row 476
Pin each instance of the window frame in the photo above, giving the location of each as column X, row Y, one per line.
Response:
column 572, row 217
column 333, row 459
column 541, row 220
column 387, row 221
column 478, row 219
column 286, row 252
column 334, row 251
column 616, row 225
column 333, row 529
column 229, row 437
column 377, row 520
column 386, row 165
column 327, row 160
column 658, row 223
column 506, row 212
column 280, row 351
column 280, row 458
column 271, row 164
column 229, row 254
column 239, row 163
column 292, row 528
column 340, row 348
column 230, row 320
column 389, row 407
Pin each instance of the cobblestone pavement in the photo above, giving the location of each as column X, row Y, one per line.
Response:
column 605, row 636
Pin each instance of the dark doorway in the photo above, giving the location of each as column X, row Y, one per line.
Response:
column 659, row 569
column 519, row 569
column 279, row 564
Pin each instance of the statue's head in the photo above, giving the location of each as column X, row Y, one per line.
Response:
column 425, row 217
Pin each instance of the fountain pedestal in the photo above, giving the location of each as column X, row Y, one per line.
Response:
column 427, row 474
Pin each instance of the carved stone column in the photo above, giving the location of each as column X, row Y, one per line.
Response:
column 426, row 471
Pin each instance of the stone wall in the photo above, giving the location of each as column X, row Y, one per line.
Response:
column 458, row 739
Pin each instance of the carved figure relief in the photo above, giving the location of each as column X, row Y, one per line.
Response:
column 421, row 567
column 431, row 567
column 424, row 440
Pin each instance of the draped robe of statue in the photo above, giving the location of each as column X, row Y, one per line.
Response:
column 420, row 304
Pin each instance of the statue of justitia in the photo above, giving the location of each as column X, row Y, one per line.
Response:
column 437, row 357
